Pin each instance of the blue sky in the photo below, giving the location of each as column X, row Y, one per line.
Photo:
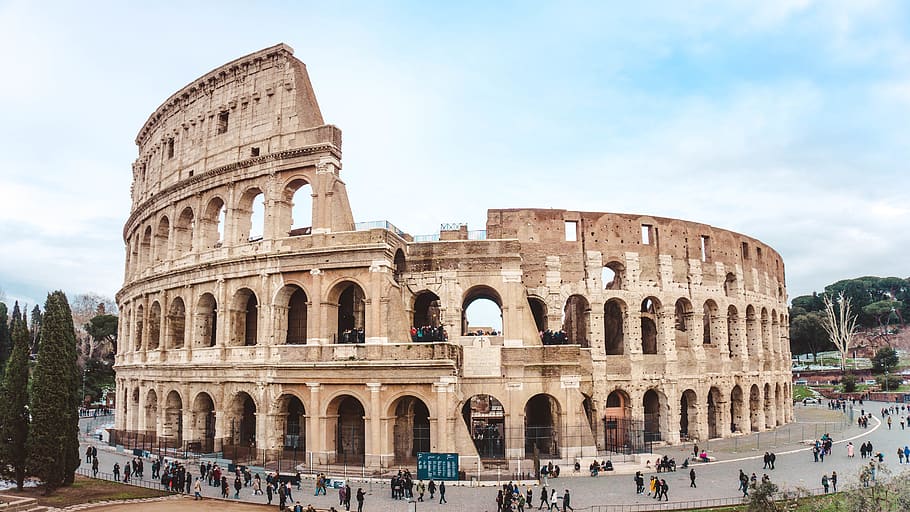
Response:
column 782, row 120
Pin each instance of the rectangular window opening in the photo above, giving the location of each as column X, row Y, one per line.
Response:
column 745, row 250
column 646, row 234
column 254, row 151
column 571, row 231
column 705, row 247
column 170, row 148
column 222, row 123
column 758, row 253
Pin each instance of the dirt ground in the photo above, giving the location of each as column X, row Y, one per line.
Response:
column 180, row 504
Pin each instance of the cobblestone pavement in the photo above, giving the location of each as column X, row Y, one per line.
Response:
column 794, row 467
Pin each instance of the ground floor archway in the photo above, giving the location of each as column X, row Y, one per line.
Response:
column 542, row 426
column 410, row 429
column 484, row 416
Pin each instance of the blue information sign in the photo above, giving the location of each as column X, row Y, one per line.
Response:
column 437, row 466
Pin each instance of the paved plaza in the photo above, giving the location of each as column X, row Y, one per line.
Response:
column 794, row 467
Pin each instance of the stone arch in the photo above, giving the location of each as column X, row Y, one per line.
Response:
column 617, row 418
column 427, row 310
column 755, row 408
column 206, row 320
column 683, row 313
column 145, row 248
column 768, row 406
column 183, row 231
column 484, row 415
column 612, row 275
column 241, row 415
column 614, row 327
column 410, row 428
column 715, row 414
column 710, row 323
column 542, row 415
column 172, row 429
column 204, row 421
column 249, row 216
column 688, row 415
column 138, row 326
column 349, row 300
column 244, row 318
column 290, row 422
column 538, row 309
column 775, row 334
column 730, row 286
column 576, row 320
column 291, row 310
column 650, row 314
column 736, row 409
column 475, row 293
column 162, row 234
column 212, row 224
column 151, row 413
column 655, row 407
column 297, row 211
column 154, row 326
column 176, row 324
column 400, row 264
column 766, row 338
column 778, row 405
column 753, row 334
column 733, row 331
column 134, row 410
column 345, row 415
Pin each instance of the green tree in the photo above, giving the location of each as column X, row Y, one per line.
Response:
column 103, row 330
column 882, row 310
column 808, row 302
column 34, row 329
column 14, row 405
column 808, row 335
column 6, row 344
column 885, row 360
column 53, row 443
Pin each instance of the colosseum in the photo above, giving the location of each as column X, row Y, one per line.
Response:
column 256, row 313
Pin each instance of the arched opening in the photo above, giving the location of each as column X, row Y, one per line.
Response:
column 297, row 318
column 614, row 338
column 611, row 275
column 715, row 417
column 183, row 231
column 298, row 194
column 682, row 322
column 204, row 422
column 481, row 312
column 244, row 318
column 176, row 321
column 588, row 406
column 154, row 326
column 411, row 430
column 172, row 430
column 769, row 407
column 212, row 224
column 249, row 217
column 291, row 422
column 619, row 429
column 709, row 322
column 732, row 331
column 775, row 335
column 542, row 426
column 753, row 333
column 427, row 316
column 206, row 320
column 654, row 402
column 485, row 416
column 401, row 265
column 351, row 313
column 134, row 410
column 778, row 404
column 539, row 311
column 161, row 238
column 151, row 414
column 736, row 409
column 688, row 415
column 145, row 248
column 755, row 408
column 766, row 339
column 243, row 425
column 138, row 326
column 649, row 315
column 730, row 287
column 576, row 315
column 349, row 440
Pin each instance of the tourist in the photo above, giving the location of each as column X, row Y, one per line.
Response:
column 692, row 478
column 825, row 483
column 197, row 489
column 442, row 492
column 361, row 495
column 833, row 480
column 566, row 502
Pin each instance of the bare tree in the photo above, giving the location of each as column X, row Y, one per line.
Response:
column 840, row 324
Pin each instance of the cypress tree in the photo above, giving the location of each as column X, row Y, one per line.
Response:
column 35, row 328
column 6, row 345
column 53, row 443
column 14, row 405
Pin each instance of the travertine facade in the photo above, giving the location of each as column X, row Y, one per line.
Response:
column 246, row 274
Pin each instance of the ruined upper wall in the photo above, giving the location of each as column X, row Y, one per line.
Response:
column 542, row 233
column 255, row 105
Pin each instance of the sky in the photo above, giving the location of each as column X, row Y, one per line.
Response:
column 782, row 120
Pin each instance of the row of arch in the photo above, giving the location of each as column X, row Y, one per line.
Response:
column 216, row 222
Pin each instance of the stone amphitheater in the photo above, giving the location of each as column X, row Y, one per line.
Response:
column 256, row 313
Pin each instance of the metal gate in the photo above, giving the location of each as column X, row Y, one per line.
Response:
column 627, row 436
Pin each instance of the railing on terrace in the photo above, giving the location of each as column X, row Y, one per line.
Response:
column 377, row 224
column 476, row 234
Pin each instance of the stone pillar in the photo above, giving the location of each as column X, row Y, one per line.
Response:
column 373, row 454
column 513, row 304
column 440, row 437
column 379, row 271
column 316, row 315
column 315, row 427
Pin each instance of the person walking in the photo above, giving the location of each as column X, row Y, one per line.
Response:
column 825, row 483
column 238, row 484
column 432, row 488
column 900, row 455
column 850, row 450
column 224, row 487
column 544, row 498
column 554, row 502
column 442, row 492
column 95, row 467
column 743, row 483
column 663, row 489
column 197, row 489
column 833, row 480
column 772, row 458
column 269, row 490
column 566, row 499
column 362, row 495
column 692, row 478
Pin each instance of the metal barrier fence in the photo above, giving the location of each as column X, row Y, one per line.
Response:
column 137, row 482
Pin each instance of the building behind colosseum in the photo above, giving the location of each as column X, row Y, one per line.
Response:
column 256, row 313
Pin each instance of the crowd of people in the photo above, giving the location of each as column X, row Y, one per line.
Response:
column 549, row 337
column 429, row 333
column 352, row 336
